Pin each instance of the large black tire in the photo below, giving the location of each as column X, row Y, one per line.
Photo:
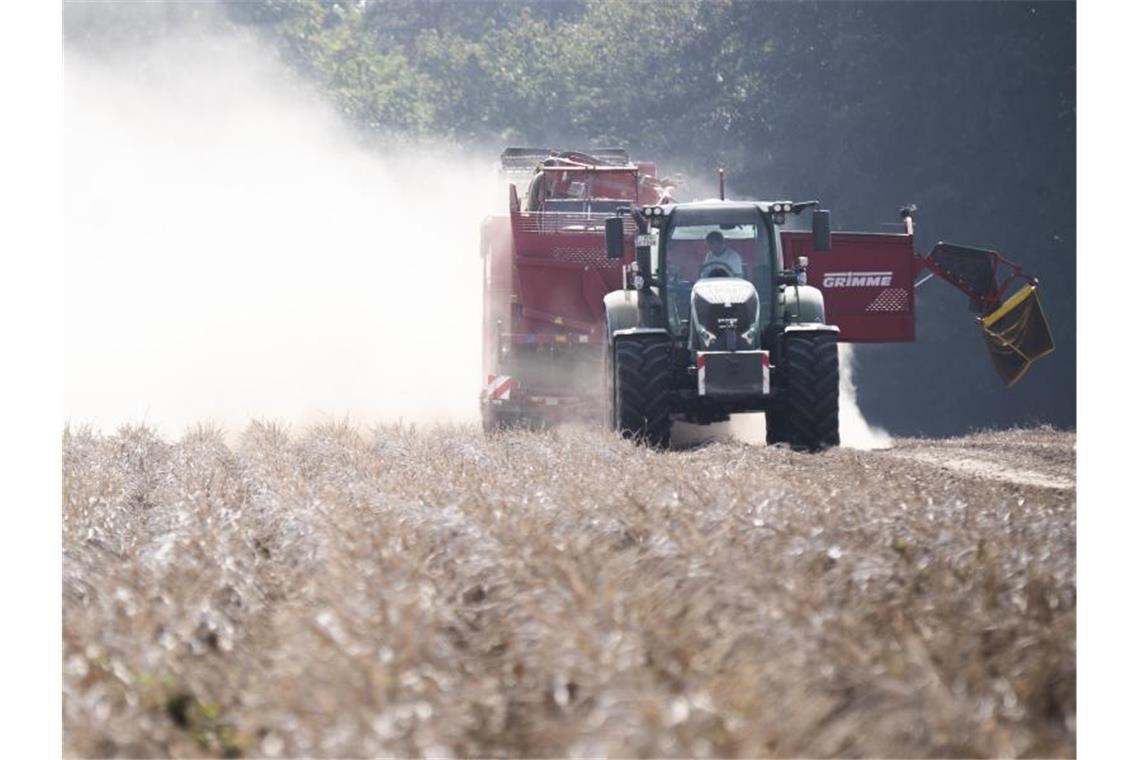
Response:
column 811, row 391
column 641, row 398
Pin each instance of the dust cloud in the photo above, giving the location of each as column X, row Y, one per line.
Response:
column 854, row 430
column 233, row 251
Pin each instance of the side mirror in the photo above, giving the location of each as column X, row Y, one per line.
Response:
column 615, row 238
column 821, row 229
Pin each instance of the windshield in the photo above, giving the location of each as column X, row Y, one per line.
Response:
column 693, row 251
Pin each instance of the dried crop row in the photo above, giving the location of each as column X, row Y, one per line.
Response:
column 429, row 591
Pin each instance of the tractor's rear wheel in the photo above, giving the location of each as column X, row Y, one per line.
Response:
column 609, row 388
column 640, row 400
column 811, row 391
column 775, row 427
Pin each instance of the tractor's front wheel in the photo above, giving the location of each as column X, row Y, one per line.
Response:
column 810, row 415
column 640, row 403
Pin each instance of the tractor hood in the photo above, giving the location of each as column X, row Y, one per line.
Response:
column 725, row 315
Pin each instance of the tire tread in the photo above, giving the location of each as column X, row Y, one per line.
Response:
column 642, row 394
column 811, row 413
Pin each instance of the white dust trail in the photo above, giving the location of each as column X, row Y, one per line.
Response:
column 232, row 252
column 854, row 430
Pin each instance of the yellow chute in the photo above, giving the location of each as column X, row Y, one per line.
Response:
column 1017, row 334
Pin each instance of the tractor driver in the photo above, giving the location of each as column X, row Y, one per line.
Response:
column 720, row 253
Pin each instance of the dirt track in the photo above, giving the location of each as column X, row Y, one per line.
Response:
column 411, row 592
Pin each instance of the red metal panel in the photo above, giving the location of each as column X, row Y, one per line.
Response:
column 560, row 287
column 867, row 280
column 561, row 272
column 545, row 276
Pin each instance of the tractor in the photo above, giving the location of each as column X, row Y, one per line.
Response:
column 698, row 336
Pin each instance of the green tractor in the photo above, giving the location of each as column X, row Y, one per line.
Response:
column 710, row 323
column 720, row 314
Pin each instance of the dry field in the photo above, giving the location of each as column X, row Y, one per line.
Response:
column 410, row 592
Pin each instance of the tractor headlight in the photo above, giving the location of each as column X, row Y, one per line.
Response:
column 707, row 338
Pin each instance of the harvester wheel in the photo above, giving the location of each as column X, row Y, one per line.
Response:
column 491, row 421
column 496, row 421
column 641, row 389
column 811, row 389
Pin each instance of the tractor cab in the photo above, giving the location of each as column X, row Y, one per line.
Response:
column 715, row 263
column 717, row 269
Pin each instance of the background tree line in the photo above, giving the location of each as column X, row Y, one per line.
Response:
column 966, row 109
